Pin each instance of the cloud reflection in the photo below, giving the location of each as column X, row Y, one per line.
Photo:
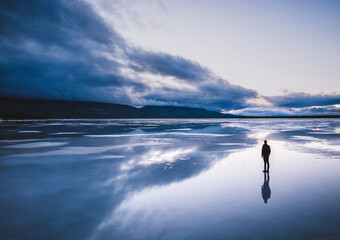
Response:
column 200, row 183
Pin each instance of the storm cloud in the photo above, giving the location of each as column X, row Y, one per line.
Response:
column 301, row 100
column 64, row 50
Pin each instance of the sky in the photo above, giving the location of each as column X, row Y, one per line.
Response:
column 262, row 57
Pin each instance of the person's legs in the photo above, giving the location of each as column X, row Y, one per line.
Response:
column 268, row 165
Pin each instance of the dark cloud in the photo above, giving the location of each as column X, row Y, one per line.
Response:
column 325, row 110
column 300, row 100
column 64, row 50
column 52, row 50
column 62, row 23
column 214, row 94
column 167, row 65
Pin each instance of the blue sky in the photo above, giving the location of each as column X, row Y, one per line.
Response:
column 243, row 57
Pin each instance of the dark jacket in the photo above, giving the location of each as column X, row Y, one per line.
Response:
column 265, row 150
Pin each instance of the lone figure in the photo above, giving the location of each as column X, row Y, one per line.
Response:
column 265, row 155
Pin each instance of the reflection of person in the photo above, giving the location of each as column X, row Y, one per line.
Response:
column 265, row 188
column 265, row 155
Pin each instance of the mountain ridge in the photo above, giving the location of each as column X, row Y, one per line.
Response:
column 15, row 108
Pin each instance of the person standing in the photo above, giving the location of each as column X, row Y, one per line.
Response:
column 265, row 156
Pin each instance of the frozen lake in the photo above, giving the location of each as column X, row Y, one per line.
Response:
column 170, row 179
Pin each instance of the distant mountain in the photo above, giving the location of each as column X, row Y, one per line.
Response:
column 39, row 109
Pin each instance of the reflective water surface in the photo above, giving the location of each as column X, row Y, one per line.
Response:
column 170, row 179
